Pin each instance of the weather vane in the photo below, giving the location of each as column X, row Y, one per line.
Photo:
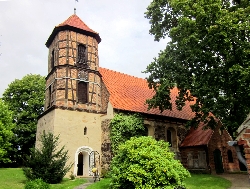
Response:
column 75, row 6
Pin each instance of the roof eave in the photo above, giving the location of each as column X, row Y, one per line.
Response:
column 71, row 28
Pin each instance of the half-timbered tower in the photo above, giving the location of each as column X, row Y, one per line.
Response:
column 73, row 98
column 73, row 80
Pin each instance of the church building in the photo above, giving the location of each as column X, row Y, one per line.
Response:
column 81, row 98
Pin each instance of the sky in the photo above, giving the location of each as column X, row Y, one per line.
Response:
column 25, row 26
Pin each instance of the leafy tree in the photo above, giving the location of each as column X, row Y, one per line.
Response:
column 207, row 58
column 6, row 126
column 47, row 162
column 25, row 97
column 144, row 162
column 124, row 126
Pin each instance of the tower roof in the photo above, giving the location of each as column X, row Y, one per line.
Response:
column 73, row 23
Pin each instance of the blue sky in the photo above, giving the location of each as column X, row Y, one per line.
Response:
column 25, row 26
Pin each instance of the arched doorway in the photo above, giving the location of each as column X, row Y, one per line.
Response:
column 80, row 164
column 218, row 161
column 82, row 161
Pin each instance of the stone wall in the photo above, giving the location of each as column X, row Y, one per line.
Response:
column 106, row 154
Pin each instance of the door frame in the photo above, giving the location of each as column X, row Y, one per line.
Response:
column 85, row 150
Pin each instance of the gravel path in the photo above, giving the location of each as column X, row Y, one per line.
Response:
column 239, row 181
column 83, row 186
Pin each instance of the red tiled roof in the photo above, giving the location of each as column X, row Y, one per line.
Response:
column 76, row 22
column 73, row 23
column 197, row 137
column 130, row 93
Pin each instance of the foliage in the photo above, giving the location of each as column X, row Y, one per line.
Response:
column 25, row 97
column 124, row 126
column 37, row 184
column 48, row 162
column 206, row 58
column 72, row 176
column 143, row 162
column 6, row 126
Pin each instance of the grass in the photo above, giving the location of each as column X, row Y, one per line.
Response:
column 197, row 181
column 103, row 184
column 14, row 178
column 204, row 181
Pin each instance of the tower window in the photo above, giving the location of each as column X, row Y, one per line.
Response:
column 82, row 92
column 52, row 61
column 49, row 96
column 82, row 54
column 85, row 130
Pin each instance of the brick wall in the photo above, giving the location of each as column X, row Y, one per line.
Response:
column 219, row 141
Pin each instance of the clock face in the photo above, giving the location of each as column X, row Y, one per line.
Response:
column 83, row 75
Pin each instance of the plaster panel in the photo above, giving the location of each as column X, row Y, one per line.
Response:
column 70, row 125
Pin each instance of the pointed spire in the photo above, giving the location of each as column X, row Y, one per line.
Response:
column 76, row 22
column 73, row 23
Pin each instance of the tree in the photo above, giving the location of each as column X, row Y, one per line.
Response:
column 144, row 162
column 207, row 58
column 25, row 97
column 123, row 127
column 47, row 162
column 6, row 126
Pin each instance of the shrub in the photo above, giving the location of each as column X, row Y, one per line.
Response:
column 72, row 176
column 124, row 126
column 48, row 162
column 37, row 184
column 144, row 163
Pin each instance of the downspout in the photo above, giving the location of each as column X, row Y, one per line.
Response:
column 239, row 155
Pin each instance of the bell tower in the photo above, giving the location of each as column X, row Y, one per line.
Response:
column 75, row 95
column 73, row 80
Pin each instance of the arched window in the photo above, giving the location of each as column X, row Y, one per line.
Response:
column 85, row 130
column 82, row 92
column 230, row 156
column 169, row 137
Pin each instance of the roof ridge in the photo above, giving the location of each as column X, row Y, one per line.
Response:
column 123, row 73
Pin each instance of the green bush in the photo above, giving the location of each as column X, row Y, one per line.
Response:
column 37, row 184
column 144, row 163
column 48, row 162
column 124, row 126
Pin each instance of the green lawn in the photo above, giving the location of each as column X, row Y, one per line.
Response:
column 200, row 181
column 13, row 178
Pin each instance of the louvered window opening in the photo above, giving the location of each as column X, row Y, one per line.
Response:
column 82, row 92
column 81, row 54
